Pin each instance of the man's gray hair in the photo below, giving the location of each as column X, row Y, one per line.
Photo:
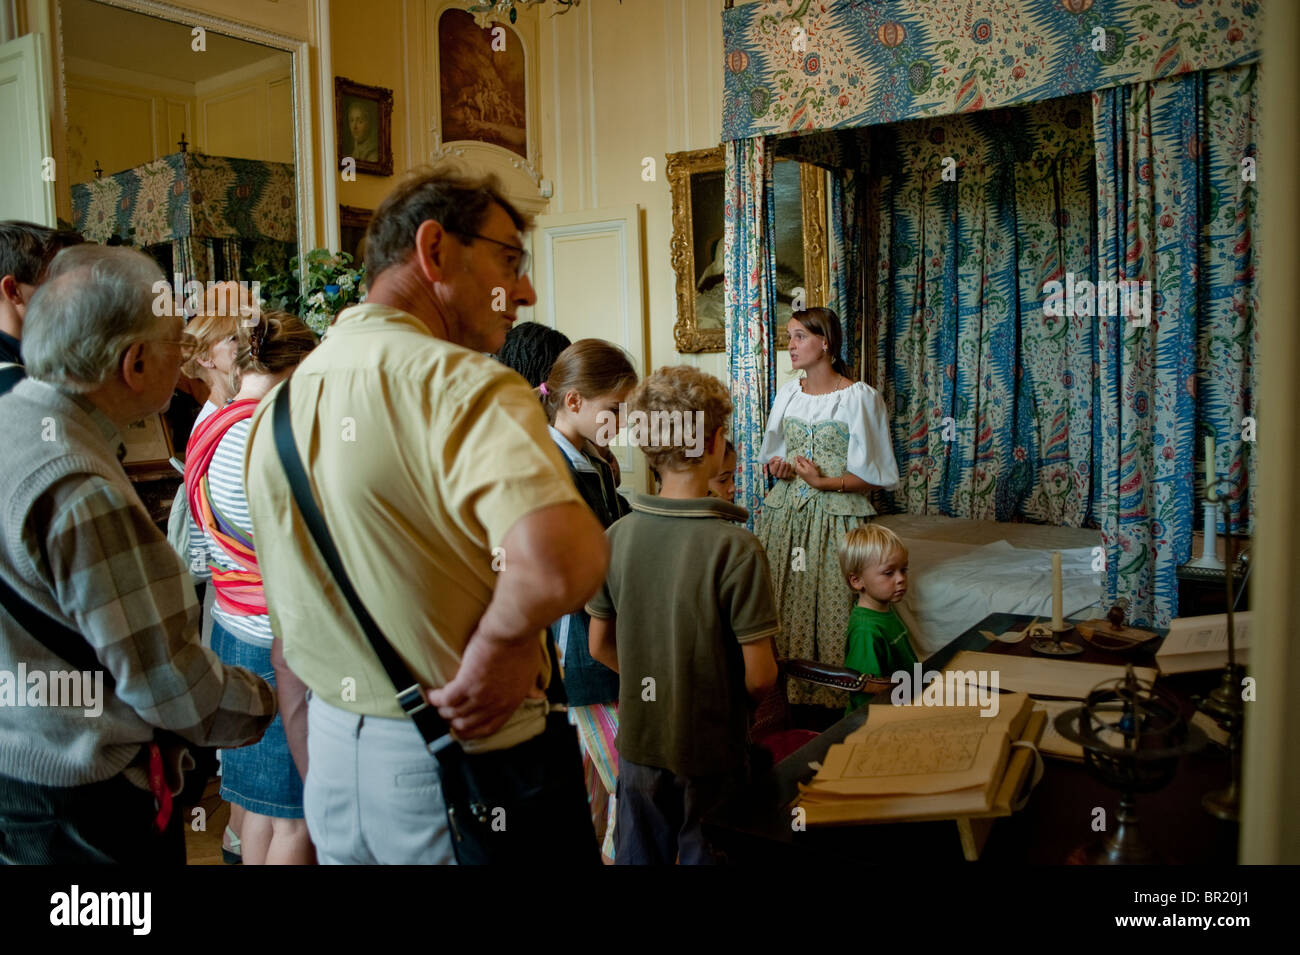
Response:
column 95, row 302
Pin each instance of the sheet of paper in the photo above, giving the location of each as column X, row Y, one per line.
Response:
column 1201, row 643
column 1053, row 743
column 1198, row 634
column 1040, row 676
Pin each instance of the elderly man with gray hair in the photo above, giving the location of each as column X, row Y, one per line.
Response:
column 102, row 676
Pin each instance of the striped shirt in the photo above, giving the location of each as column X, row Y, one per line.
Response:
column 197, row 558
column 226, row 487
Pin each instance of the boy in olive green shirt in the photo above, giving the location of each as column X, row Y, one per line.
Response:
column 686, row 616
column 874, row 562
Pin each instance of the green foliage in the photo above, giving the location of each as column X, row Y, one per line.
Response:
column 332, row 285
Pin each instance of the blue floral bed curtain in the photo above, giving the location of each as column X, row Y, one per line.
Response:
column 1177, row 210
column 750, row 307
column 846, row 250
column 991, row 400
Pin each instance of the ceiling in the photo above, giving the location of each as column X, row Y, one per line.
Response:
column 131, row 41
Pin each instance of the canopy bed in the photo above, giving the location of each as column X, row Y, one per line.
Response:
column 977, row 153
column 206, row 218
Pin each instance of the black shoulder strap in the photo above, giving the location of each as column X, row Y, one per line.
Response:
column 410, row 695
column 64, row 642
column 10, row 375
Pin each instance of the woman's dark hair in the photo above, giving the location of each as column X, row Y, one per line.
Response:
column 590, row 367
column 531, row 349
column 824, row 323
column 274, row 342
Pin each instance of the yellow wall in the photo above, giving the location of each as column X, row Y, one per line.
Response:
column 248, row 117
column 393, row 45
column 370, row 46
column 122, row 119
column 620, row 83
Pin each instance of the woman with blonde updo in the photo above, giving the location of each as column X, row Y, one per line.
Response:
column 262, row 778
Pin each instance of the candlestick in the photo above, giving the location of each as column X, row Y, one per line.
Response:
column 1209, row 536
column 1057, row 622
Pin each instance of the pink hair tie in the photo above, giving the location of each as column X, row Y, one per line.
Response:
column 542, row 389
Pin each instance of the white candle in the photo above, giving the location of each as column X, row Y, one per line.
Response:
column 1209, row 462
column 1057, row 622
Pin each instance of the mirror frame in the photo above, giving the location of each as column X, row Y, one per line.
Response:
column 689, row 337
column 304, row 154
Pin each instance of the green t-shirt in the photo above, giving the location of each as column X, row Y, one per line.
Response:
column 687, row 587
column 877, row 644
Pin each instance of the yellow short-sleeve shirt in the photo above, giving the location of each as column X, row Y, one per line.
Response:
column 423, row 455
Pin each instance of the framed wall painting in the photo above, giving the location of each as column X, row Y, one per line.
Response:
column 353, row 222
column 363, row 116
column 697, row 248
column 483, row 96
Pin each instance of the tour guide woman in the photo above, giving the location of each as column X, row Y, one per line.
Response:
column 827, row 444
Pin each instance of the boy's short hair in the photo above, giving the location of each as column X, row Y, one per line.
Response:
column 867, row 545
column 26, row 249
column 680, row 390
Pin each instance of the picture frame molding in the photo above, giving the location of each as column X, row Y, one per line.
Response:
column 460, row 148
column 680, row 167
column 353, row 217
column 383, row 98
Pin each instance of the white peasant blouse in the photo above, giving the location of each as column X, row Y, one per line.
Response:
column 859, row 407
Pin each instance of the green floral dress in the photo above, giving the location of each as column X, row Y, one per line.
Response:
column 801, row 528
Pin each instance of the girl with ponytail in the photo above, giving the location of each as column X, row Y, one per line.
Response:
column 588, row 384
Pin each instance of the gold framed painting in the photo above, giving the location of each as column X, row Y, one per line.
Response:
column 363, row 116
column 696, row 181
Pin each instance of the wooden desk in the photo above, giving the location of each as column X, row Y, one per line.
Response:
column 755, row 826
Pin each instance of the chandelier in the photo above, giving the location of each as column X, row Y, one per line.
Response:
column 508, row 8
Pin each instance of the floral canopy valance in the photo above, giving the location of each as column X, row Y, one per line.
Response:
column 189, row 195
column 804, row 65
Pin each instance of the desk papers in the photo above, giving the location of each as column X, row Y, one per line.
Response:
column 1053, row 743
column 1201, row 643
column 1043, row 677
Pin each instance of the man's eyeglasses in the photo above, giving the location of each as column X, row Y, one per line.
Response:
column 521, row 266
column 186, row 341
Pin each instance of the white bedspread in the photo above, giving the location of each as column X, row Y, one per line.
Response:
column 960, row 571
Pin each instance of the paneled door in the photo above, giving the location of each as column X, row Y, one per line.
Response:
column 589, row 285
column 27, row 170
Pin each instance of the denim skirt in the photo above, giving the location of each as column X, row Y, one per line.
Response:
column 262, row 778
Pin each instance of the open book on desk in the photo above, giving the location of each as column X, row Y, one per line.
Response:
column 917, row 762
column 1201, row 643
